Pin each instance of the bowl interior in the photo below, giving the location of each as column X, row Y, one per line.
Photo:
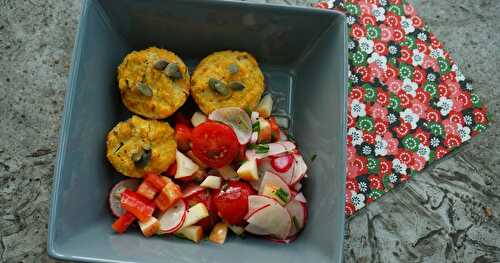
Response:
column 303, row 55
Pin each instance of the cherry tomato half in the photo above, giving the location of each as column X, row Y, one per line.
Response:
column 215, row 144
column 232, row 202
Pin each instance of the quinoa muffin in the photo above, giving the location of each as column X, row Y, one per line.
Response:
column 153, row 82
column 138, row 146
column 227, row 79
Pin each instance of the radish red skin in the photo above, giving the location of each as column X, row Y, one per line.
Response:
column 282, row 163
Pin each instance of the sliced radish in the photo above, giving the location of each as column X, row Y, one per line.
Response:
column 254, row 116
column 300, row 169
column 266, row 165
column 270, row 149
column 257, row 202
column 273, row 179
column 297, row 212
column 273, row 220
column 192, row 190
column 237, row 119
column 172, row 219
column 283, row 163
column 300, row 197
column 253, row 211
column 297, row 187
column 115, row 195
column 254, row 137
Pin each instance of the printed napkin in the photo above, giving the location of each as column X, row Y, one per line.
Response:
column 409, row 105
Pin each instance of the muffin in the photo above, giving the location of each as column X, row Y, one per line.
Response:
column 137, row 146
column 153, row 82
column 227, row 79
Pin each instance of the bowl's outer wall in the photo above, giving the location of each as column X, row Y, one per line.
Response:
column 303, row 55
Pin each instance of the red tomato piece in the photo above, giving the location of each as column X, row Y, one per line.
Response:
column 155, row 180
column 136, row 204
column 232, row 202
column 123, row 222
column 275, row 130
column 183, row 136
column 215, row 144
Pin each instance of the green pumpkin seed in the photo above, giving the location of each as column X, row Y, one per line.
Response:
column 144, row 89
column 160, row 64
column 144, row 159
column 218, row 86
column 146, row 146
column 173, row 71
column 233, row 68
column 236, row 85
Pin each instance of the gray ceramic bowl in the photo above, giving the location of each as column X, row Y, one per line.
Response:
column 303, row 54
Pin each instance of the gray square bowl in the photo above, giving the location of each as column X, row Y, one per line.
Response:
column 303, row 55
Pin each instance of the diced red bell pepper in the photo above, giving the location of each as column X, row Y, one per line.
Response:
column 275, row 130
column 171, row 170
column 155, row 180
column 147, row 190
column 183, row 136
column 136, row 204
column 123, row 222
column 170, row 194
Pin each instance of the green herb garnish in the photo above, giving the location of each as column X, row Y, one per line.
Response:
column 295, row 222
column 313, row 157
column 282, row 194
column 248, row 110
column 256, row 127
column 290, row 137
column 261, row 148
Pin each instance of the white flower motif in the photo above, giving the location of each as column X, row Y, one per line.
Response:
column 436, row 53
column 350, row 20
column 460, row 75
column 407, row 25
column 410, row 87
column 393, row 178
column 351, row 45
column 367, row 150
column 363, row 187
column 398, row 166
column 358, row 200
column 353, row 78
column 392, row 118
column 380, row 146
column 445, row 104
column 358, row 108
column 435, row 142
column 356, row 135
column 381, row 61
column 383, row 2
column 468, row 86
column 409, row 116
column 418, row 58
column 424, row 151
column 468, row 120
column 366, row 45
column 393, row 50
column 379, row 13
column 422, row 36
column 431, row 77
column 464, row 133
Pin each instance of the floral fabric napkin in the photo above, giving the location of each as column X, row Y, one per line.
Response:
column 409, row 105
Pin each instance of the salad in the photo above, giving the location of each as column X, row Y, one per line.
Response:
column 234, row 170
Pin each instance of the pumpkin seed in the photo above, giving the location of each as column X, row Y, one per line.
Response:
column 146, row 146
column 144, row 89
column 233, row 68
column 160, row 64
column 218, row 86
column 236, row 85
column 172, row 70
column 143, row 160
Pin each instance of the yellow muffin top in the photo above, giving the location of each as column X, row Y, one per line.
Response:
column 153, row 82
column 237, row 71
column 138, row 146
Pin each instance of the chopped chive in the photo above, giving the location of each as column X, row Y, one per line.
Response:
column 313, row 157
column 261, row 148
column 256, row 127
column 248, row 110
column 290, row 137
column 282, row 194
column 295, row 222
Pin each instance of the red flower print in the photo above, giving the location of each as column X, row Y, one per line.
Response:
column 348, row 195
column 441, row 152
column 385, row 167
column 350, row 121
column 452, row 87
column 349, row 209
column 419, row 75
column 457, row 104
column 365, row 8
column 357, row 93
column 380, row 47
column 392, row 20
column 433, row 115
column 422, row 47
column 385, row 33
column 403, row 129
column 409, row 10
column 351, row 185
column 369, row 138
column 392, row 143
column 378, row 111
column 452, row 141
column 322, row 5
column 365, row 73
column 380, row 127
column 450, row 127
column 405, row 55
column 404, row 99
column 357, row 31
column 449, row 77
column 417, row 22
column 419, row 108
column 368, row 20
column 405, row 156
column 422, row 96
column 435, row 43
column 403, row 178
column 398, row 34
column 456, row 117
column 443, row 90
column 395, row 2
column 418, row 162
column 422, row 136
column 351, row 152
column 373, row 2
column 464, row 98
column 394, row 85
column 382, row 97
column 376, row 71
column 390, row 73
column 361, row 163
column 352, row 171
column 479, row 116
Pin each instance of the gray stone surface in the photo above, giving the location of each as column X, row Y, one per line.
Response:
column 449, row 213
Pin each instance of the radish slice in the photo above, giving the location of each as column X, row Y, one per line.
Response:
column 273, row 220
column 297, row 187
column 115, row 195
column 273, row 179
column 257, row 202
column 300, row 169
column 253, row 211
column 237, row 119
column 254, row 137
column 297, row 213
column 192, row 190
column 172, row 219
column 266, row 165
column 283, row 163
column 300, row 197
column 254, row 117
column 270, row 149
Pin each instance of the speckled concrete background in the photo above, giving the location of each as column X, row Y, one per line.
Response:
column 450, row 213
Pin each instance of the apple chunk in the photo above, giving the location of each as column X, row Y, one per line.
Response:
column 185, row 166
column 193, row 233
column 248, row 171
column 150, row 226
